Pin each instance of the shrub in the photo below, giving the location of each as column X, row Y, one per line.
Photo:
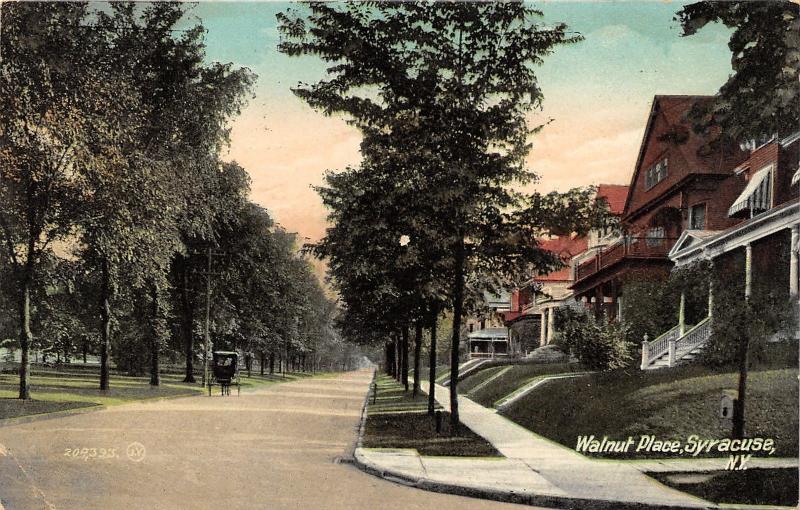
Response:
column 598, row 344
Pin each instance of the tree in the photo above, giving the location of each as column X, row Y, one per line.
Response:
column 51, row 95
column 762, row 97
column 174, row 118
column 459, row 78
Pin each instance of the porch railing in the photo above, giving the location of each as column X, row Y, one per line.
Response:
column 674, row 344
column 636, row 247
column 656, row 348
column 695, row 337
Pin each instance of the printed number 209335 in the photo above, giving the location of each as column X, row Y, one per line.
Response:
column 91, row 453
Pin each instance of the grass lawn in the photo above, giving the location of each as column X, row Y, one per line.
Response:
column 57, row 390
column 396, row 420
column 512, row 379
column 668, row 403
column 441, row 370
column 746, row 487
column 476, row 379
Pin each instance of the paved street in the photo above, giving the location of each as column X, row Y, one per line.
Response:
column 273, row 448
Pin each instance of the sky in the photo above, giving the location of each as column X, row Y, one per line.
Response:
column 597, row 96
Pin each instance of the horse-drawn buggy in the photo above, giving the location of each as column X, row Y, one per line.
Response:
column 224, row 371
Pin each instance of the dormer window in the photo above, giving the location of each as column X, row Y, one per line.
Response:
column 655, row 174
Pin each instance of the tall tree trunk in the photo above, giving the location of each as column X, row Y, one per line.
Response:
column 261, row 359
column 155, row 347
column 390, row 358
column 25, row 336
column 398, row 358
column 105, row 324
column 417, row 355
column 404, row 353
column 458, row 307
column 432, row 367
column 188, row 325
column 272, row 362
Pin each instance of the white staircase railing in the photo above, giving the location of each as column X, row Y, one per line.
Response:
column 674, row 344
column 695, row 337
column 656, row 348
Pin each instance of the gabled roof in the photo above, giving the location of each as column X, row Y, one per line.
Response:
column 691, row 238
column 674, row 109
column 615, row 196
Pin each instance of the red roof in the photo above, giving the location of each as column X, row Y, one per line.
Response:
column 565, row 247
column 615, row 195
column 674, row 109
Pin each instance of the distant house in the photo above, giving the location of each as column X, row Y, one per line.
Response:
column 680, row 182
column 536, row 301
column 487, row 335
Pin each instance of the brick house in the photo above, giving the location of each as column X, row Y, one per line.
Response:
column 680, row 181
column 760, row 248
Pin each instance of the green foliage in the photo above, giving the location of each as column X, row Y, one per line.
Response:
column 598, row 344
column 748, row 322
column 762, row 96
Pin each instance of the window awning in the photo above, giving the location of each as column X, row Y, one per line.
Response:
column 756, row 195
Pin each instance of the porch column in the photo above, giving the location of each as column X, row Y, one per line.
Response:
column 614, row 298
column 543, row 328
column 682, row 314
column 748, row 270
column 619, row 308
column 598, row 301
column 710, row 299
column 550, row 322
column 794, row 261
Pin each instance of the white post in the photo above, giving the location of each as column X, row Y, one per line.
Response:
column 645, row 357
column 794, row 261
column 671, row 355
column 748, row 270
column 711, row 290
column 543, row 328
column 619, row 309
column 710, row 299
column 550, row 324
column 682, row 315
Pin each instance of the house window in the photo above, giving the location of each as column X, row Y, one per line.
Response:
column 655, row 236
column 656, row 174
column 483, row 323
column 471, row 327
column 697, row 217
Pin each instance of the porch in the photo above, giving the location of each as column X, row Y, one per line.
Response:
column 488, row 343
column 682, row 343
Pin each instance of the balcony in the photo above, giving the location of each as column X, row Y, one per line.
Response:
column 632, row 247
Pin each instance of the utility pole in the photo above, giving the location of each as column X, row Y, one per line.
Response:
column 206, row 334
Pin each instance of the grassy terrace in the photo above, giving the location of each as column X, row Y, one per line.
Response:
column 747, row 487
column 59, row 390
column 508, row 380
column 396, row 420
column 669, row 403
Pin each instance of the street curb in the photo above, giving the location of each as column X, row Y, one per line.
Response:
column 349, row 456
column 506, row 496
column 353, row 457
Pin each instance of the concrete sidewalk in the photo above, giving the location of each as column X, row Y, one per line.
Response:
column 538, row 471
